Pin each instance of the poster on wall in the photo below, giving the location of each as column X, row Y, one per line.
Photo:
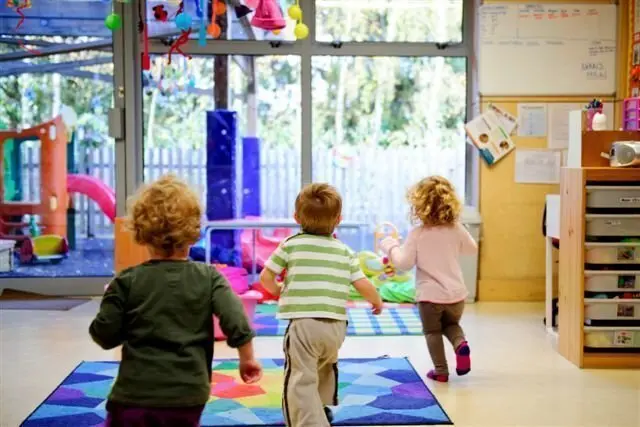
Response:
column 489, row 137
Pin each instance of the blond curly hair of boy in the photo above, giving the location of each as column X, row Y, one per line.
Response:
column 165, row 216
column 434, row 202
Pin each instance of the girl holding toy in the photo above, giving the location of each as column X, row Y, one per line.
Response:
column 434, row 247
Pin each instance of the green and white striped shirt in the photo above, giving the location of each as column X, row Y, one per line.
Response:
column 320, row 270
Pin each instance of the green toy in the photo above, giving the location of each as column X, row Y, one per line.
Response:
column 34, row 228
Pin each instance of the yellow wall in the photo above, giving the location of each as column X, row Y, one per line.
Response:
column 512, row 253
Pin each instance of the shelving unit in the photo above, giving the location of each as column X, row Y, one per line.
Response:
column 599, row 280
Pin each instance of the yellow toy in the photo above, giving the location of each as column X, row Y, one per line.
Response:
column 383, row 230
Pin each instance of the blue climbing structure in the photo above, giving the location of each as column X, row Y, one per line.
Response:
column 233, row 184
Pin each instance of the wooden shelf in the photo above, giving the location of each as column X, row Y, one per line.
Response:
column 571, row 287
column 611, row 361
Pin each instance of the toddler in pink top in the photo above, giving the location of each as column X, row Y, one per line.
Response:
column 434, row 248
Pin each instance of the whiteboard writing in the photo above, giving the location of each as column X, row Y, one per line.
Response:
column 547, row 49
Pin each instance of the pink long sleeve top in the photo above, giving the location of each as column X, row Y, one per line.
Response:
column 435, row 252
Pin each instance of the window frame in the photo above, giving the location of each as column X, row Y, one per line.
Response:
column 128, row 87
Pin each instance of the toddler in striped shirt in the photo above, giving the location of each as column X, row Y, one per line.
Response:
column 320, row 270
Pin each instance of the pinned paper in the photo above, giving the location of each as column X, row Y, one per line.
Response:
column 488, row 135
column 533, row 120
column 538, row 166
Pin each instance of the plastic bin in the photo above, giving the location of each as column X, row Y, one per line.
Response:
column 469, row 263
column 611, row 309
column 6, row 255
column 612, row 281
column 611, row 337
column 612, row 225
column 615, row 197
column 631, row 114
column 612, row 253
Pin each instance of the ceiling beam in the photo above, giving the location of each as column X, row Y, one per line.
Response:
column 56, row 50
column 53, row 67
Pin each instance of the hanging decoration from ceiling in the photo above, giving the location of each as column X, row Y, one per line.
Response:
column 268, row 16
column 143, row 29
column 301, row 30
column 183, row 21
column 202, row 33
column 218, row 8
column 19, row 5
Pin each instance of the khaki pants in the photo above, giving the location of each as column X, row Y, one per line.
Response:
column 438, row 320
column 311, row 370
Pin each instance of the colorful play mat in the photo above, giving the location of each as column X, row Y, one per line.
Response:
column 373, row 392
column 396, row 319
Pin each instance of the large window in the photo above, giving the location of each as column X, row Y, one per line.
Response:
column 373, row 100
column 230, row 126
column 58, row 203
column 380, row 124
column 437, row 21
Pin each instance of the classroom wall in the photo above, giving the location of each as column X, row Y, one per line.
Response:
column 512, row 254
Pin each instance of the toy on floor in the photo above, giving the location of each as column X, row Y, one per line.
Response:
column 265, row 245
column 393, row 285
column 238, row 279
column 48, row 248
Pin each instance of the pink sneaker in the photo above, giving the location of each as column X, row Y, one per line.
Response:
column 437, row 377
column 463, row 359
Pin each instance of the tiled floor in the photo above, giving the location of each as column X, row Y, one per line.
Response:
column 518, row 379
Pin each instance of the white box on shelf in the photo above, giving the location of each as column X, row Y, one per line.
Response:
column 614, row 338
column 612, row 281
column 612, row 253
column 611, row 309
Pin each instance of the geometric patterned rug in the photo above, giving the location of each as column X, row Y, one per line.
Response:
column 394, row 321
column 373, row 392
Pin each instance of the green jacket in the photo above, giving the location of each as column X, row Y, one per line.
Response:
column 161, row 313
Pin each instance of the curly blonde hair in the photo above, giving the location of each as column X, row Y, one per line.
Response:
column 318, row 208
column 165, row 215
column 434, row 202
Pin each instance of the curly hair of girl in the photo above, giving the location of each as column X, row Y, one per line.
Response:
column 434, row 202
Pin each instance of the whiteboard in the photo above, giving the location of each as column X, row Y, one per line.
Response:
column 547, row 49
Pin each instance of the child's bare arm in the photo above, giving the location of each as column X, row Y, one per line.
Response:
column 268, row 281
column 369, row 292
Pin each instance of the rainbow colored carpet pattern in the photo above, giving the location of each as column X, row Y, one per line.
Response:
column 395, row 320
column 373, row 392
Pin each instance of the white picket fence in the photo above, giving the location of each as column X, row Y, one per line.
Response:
column 373, row 185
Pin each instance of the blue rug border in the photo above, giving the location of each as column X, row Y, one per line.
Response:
column 365, row 335
column 415, row 371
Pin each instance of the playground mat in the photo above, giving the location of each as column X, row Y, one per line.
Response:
column 11, row 299
column 395, row 320
column 372, row 392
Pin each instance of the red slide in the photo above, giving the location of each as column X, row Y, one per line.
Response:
column 96, row 190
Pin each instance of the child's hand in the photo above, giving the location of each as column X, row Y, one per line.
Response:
column 377, row 308
column 388, row 243
column 250, row 371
